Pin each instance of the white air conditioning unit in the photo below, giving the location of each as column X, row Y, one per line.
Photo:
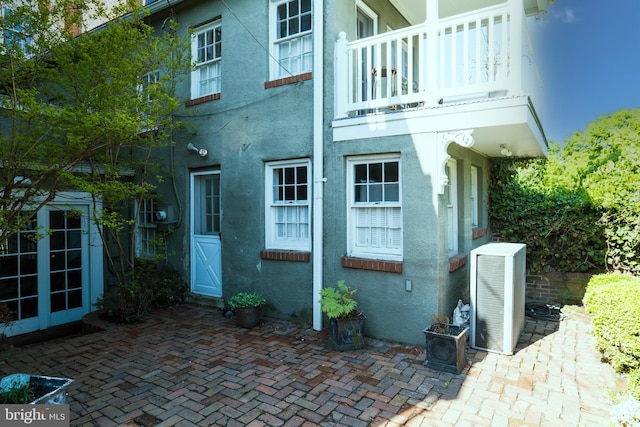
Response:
column 497, row 310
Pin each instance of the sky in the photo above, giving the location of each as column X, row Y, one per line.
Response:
column 588, row 53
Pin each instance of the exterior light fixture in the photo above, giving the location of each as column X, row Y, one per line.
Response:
column 505, row 150
column 202, row 152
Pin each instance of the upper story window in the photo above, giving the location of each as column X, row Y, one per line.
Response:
column 375, row 207
column 14, row 36
column 146, row 91
column 292, row 41
column 288, row 205
column 206, row 49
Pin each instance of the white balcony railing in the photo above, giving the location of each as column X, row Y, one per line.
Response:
column 485, row 53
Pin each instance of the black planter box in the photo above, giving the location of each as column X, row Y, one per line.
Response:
column 447, row 352
column 347, row 334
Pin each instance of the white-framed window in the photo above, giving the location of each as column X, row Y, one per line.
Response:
column 206, row 51
column 475, row 191
column 146, row 230
column 144, row 88
column 288, row 205
column 374, row 220
column 451, row 198
column 292, row 37
column 13, row 31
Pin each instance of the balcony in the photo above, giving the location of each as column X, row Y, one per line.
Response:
column 473, row 71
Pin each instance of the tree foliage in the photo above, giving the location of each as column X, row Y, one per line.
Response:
column 84, row 112
column 580, row 208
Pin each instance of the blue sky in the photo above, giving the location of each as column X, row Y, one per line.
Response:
column 588, row 52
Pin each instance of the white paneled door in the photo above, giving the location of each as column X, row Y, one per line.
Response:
column 206, row 245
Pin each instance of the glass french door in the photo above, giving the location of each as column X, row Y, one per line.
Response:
column 44, row 272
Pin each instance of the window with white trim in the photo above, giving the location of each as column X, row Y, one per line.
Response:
column 13, row 35
column 475, row 190
column 146, row 230
column 288, row 201
column 206, row 50
column 375, row 208
column 451, row 196
column 145, row 88
column 292, row 37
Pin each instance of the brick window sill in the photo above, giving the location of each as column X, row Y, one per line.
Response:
column 287, row 80
column 478, row 233
column 457, row 261
column 371, row 264
column 281, row 255
column 202, row 99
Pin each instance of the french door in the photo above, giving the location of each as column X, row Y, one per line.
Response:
column 51, row 271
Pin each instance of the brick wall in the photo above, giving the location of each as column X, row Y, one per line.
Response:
column 557, row 287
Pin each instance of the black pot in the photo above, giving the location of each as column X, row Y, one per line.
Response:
column 248, row 317
column 347, row 333
column 447, row 351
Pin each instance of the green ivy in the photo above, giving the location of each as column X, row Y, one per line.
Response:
column 558, row 225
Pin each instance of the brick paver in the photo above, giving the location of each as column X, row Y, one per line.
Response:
column 190, row 366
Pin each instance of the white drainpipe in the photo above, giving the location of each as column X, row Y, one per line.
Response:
column 318, row 163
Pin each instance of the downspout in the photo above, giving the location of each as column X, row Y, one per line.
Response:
column 318, row 161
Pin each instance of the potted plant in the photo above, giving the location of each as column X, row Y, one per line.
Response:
column 246, row 307
column 446, row 345
column 345, row 320
column 34, row 389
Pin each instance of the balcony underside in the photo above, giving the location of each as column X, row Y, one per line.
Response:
column 496, row 123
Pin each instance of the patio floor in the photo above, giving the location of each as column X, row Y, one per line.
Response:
column 190, row 366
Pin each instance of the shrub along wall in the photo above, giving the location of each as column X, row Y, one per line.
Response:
column 613, row 300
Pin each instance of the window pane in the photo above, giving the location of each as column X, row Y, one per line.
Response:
column 58, row 302
column 9, row 265
column 305, row 5
column 29, row 264
column 375, row 193
column 56, row 220
column 391, row 172
column 305, row 23
column 391, row 193
column 29, row 308
column 360, row 173
column 28, row 286
column 56, row 240
column 375, row 172
column 8, row 289
column 293, row 8
column 58, row 282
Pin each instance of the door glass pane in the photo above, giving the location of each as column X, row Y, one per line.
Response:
column 207, row 209
column 65, row 260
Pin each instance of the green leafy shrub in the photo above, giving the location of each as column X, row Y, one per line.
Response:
column 167, row 284
column 558, row 225
column 245, row 300
column 613, row 300
column 149, row 287
column 338, row 302
column 126, row 302
column 18, row 394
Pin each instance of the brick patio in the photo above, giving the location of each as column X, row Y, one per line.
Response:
column 190, row 366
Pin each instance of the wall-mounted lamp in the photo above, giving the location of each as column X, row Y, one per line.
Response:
column 505, row 150
column 202, row 152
